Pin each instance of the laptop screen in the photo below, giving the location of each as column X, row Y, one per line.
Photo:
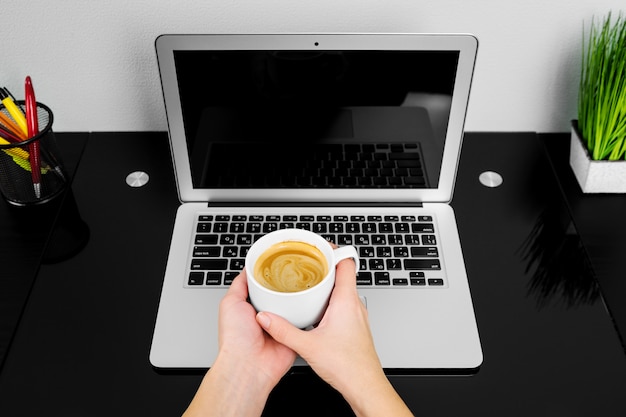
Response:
column 315, row 119
column 359, row 118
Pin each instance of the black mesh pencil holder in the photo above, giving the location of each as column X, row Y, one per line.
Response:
column 31, row 170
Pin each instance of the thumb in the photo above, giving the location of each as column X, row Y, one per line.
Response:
column 281, row 330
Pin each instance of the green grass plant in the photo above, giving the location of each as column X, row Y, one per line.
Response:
column 602, row 91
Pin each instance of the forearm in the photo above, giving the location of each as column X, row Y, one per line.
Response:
column 376, row 398
column 230, row 390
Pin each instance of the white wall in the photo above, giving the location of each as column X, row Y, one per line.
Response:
column 93, row 62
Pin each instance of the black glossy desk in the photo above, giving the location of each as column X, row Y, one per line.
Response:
column 550, row 345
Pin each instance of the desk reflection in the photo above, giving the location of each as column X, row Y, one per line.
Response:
column 562, row 271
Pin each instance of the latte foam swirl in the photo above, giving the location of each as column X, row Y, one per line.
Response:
column 291, row 267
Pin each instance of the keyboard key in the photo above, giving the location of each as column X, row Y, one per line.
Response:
column 244, row 240
column 228, row 239
column 196, row 278
column 329, row 237
column 417, row 278
column 418, row 282
column 402, row 228
column 206, row 251
column 429, row 240
column 424, row 252
column 369, row 228
column 361, row 240
column 376, row 264
column 362, row 265
column 382, row 278
column 229, row 277
column 206, row 239
column 422, row 264
column 401, row 252
column 412, row 239
column 220, row 227
column 335, row 228
column 214, row 278
column 203, row 228
column 393, row 264
column 320, row 228
column 364, row 278
column 345, row 240
column 379, row 240
column 423, row 228
column 237, row 264
column 209, row 264
column 304, row 226
column 395, row 240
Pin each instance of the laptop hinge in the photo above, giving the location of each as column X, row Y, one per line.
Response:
column 311, row 204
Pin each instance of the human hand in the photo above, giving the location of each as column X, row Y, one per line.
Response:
column 241, row 340
column 341, row 348
column 248, row 365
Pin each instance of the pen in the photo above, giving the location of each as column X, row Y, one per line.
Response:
column 13, row 110
column 32, row 126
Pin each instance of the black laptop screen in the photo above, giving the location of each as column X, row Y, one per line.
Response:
column 319, row 119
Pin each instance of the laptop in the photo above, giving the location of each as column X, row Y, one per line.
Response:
column 354, row 136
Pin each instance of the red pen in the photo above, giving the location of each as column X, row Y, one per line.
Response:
column 32, row 123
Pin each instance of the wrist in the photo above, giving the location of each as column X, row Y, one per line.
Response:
column 375, row 397
column 244, row 376
column 230, row 388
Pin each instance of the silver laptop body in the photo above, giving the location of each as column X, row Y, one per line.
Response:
column 252, row 121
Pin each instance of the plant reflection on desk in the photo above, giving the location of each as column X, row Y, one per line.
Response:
column 562, row 268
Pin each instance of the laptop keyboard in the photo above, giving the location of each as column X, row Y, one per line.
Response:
column 394, row 251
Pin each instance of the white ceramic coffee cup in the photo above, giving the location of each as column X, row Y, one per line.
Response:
column 303, row 308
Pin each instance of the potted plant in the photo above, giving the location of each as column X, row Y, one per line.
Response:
column 598, row 141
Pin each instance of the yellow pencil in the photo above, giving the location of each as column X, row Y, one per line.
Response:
column 15, row 112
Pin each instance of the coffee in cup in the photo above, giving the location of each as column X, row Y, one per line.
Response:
column 290, row 266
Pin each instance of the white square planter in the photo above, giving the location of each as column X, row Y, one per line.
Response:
column 595, row 176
